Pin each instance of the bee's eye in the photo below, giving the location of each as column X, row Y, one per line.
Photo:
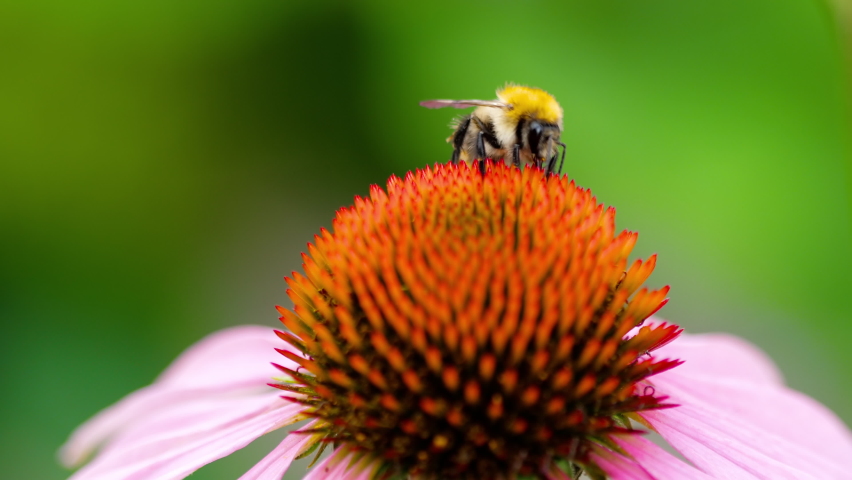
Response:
column 534, row 136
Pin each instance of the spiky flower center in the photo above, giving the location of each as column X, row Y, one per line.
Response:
column 461, row 326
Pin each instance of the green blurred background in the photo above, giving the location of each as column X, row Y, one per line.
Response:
column 162, row 164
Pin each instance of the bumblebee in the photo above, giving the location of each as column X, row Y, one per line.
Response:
column 522, row 127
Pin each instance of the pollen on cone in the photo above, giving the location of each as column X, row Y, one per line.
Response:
column 465, row 326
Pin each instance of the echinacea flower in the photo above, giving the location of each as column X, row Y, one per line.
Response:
column 467, row 326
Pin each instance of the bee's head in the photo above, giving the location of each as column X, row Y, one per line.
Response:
column 542, row 139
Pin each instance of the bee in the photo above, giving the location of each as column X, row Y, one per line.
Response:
column 522, row 127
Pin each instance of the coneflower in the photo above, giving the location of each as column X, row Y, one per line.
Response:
column 464, row 326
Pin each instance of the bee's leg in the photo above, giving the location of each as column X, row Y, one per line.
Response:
column 458, row 138
column 480, row 146
column 516, row 155
column 548, row 161
column 486, row 135
column 562, row 161
column 480, row 151
column 551, row 164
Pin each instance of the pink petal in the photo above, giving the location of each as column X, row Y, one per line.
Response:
column 656, row 461
column 712, row 354
column 619, row 467
column 182, row 439
column 235, row 358
column 356, row 474
column 273, row 465
column 736, row 420
column 340, row 466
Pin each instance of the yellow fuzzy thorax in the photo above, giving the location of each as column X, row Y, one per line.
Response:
column 530, row 102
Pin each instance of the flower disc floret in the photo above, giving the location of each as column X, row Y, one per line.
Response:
column 459, row 325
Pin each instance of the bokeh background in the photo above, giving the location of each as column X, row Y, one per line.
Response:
column 163, row 164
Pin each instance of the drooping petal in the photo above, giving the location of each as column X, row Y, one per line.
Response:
column 87, row 437
column 231, row 359
column 176, row 442
column 737, row 420
column 274, row 464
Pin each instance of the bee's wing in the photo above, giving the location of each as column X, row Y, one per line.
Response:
column 464, row 104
